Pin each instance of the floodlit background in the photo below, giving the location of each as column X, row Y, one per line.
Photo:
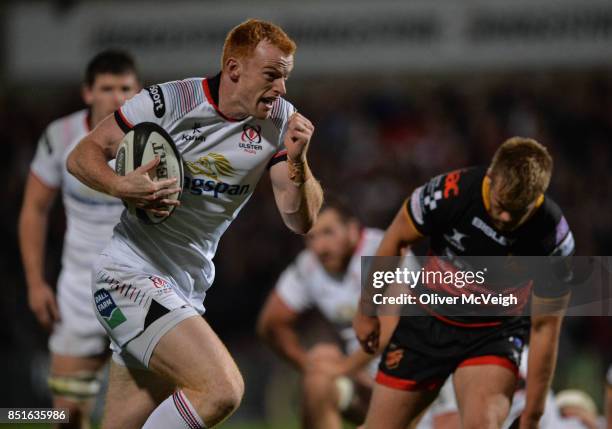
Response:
column 398, row 91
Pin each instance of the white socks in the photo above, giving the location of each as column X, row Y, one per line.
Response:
column 176, row 412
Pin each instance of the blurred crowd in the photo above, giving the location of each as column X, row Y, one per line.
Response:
column 376, row 139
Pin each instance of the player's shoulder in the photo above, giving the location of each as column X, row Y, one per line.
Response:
column 76, row 119
column 453, row 184
column 551, row 229
column 63, row 131
column 305, row 262
column 177, row 97
column 445, row 194
column 370, row 240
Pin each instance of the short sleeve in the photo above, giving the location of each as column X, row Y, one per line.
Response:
column 293, row 290
column 429, row 205
column 47, row 164
column 281, row 112
column 558, row 243
column 162, row 104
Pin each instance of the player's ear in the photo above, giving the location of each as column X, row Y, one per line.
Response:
column 87, row 94
column 233, row 68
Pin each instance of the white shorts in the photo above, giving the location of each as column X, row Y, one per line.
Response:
column 136, row 308
column 78, row 333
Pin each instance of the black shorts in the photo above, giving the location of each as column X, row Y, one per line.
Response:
column 424, row 351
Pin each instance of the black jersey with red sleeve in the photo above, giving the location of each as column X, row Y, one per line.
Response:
column 451, row 209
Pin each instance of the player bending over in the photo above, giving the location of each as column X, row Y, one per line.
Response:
column 336, row 381
column 169, row 369
column 78, row 343
column 498, row 210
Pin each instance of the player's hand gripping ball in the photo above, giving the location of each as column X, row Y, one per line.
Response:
column 139, row 147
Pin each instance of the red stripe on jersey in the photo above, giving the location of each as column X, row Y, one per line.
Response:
column 124, row 119
column 212, row 102
column 403, row 384
column 490, row 360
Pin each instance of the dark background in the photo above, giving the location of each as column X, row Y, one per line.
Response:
column 378, row 136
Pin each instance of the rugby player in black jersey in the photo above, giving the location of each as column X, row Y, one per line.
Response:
column 494, row 211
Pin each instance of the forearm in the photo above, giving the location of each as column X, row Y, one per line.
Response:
column 356, row 361
column 543, row 349
column 88, row 162
column 32, row 234
column 301, row 201
column 285, row 342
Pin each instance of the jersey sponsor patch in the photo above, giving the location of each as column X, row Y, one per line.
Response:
column 157, row 96
column 451, row 184
column 107, row 308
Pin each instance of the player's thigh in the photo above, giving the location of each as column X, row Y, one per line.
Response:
column 192, row 356
column 394, row 408
column 69, row 365
column 484, row 392
column 132, row 396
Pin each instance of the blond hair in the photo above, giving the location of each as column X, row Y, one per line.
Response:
column 523, row 167
column 242, row 40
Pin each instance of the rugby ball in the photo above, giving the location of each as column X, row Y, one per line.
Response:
column 139, row 146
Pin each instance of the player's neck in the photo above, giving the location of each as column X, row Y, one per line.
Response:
column 94, row 117
column 229, row 103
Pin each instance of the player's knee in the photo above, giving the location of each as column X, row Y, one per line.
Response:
column 227, row 398
column 221, row 399
column 491, row 416
column 74, row 393
column 317, row 386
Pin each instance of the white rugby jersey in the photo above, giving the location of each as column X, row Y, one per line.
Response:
column 223, row 159
column 90, row 215
column 306, row 284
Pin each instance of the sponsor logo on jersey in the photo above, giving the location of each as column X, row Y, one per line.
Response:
column 455, row 239
column 489, row 232
column 451, row 184
column 157, row 96
column 108, row 309
column 251, row 138
column 213, row 166
column 195, row 135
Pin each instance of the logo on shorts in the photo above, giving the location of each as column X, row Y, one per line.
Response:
column 393, row 358
column 108, row 309
column 161, row 285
